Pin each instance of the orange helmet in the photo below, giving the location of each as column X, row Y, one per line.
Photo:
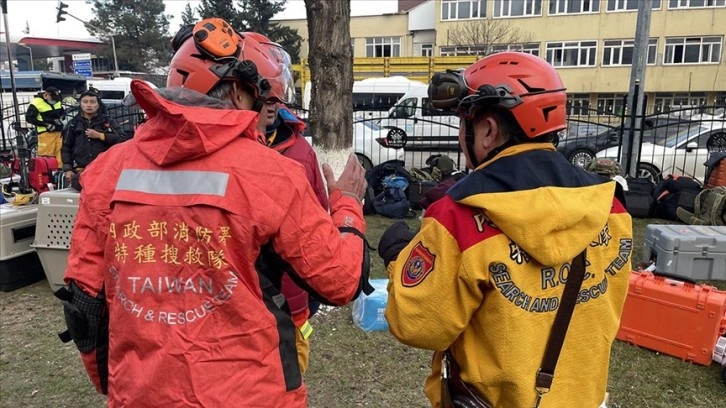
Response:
column 525, row 85
column 211, row 51
column 282, row 84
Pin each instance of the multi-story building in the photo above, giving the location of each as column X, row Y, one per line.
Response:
column 590, row 42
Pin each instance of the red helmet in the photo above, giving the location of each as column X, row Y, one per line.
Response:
column 282, row 84
column 521, row 83
column 211, row 51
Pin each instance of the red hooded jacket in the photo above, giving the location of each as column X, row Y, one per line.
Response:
column 169, row 226
column 298, row 149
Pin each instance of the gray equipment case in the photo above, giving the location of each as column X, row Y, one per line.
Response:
column 19, row 264
column 56, row 213
column 691, row 251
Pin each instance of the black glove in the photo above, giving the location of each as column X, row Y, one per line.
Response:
column 50, row 127
column 393, row 240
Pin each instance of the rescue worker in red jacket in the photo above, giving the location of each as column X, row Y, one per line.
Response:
column 284, row 133
column 484, row 275
column 164, row 300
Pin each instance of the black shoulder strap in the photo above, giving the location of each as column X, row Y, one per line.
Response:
column 546, row 373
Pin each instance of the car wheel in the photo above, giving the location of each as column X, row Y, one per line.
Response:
column 365, row 162
column 648, row 171
column 581, row 157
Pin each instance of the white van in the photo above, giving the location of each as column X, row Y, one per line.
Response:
column 114, row 89
column 373, row 94
column 426, row 128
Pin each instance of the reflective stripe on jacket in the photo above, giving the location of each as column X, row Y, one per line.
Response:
column 171, row 223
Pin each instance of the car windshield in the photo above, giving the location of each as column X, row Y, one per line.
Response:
column 683, row 136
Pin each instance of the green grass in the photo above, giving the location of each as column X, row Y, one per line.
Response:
column 348, row 367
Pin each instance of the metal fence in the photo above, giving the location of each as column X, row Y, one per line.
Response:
column 127, row 118
column 678, row 143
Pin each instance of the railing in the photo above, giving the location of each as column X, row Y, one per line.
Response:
column 127, row 118
column 414, row 68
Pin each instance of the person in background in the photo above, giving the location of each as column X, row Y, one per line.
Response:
column 284, row 133
column 483, row 277
column 88, row 134
column 164, row 301
column 46, row 113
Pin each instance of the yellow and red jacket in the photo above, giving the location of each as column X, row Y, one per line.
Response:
column 485, row 273
column 169, row 227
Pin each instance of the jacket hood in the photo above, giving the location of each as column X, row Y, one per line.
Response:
column 550, row 208
column 185, row 125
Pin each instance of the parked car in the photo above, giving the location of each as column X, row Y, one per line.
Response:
column 581, row 141
column 683, row 153
column 369, row 143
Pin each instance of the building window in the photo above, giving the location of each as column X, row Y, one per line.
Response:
column 666, row 102
column 674, row 4
column 572, row 53
column 463, row 9
column 574, row 6
column 453, row 50
column 610, row 104
column 427, row 50
column 620, row 52
column 578, row 104
column 517, row 8
column 383, row 47
column 692, row 50
column 529, row 48
column 628, row 5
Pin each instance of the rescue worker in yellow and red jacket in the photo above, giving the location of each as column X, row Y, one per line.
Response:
column 484, row 275
column 164, row 301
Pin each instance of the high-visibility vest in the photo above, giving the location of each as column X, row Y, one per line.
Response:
column 43, row 106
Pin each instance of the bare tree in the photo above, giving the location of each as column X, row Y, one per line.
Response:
column 488, row 36
column 331, row 69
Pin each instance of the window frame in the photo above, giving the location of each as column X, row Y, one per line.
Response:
column 567, row 45
column 455, row 5
column 669, row 44
column 652, row 47
column 498, row 8
column 593, row 4
column 373, row 42
column 532, row 48
column 629, row 10
column 688, row 5
column 578, row 104
column 426, row 46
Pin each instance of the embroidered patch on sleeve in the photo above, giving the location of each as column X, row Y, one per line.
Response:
column 419, row 264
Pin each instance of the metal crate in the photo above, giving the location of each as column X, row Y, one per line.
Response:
column 56, row 214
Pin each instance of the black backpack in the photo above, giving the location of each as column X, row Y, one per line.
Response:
column 674, row 192
column 393, row 202
column 639, row 199
column 375, row 177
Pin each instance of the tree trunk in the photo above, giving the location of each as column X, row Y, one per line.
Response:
column 331, row 69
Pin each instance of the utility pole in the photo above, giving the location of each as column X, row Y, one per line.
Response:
column 61, row 12
column 631, row 144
